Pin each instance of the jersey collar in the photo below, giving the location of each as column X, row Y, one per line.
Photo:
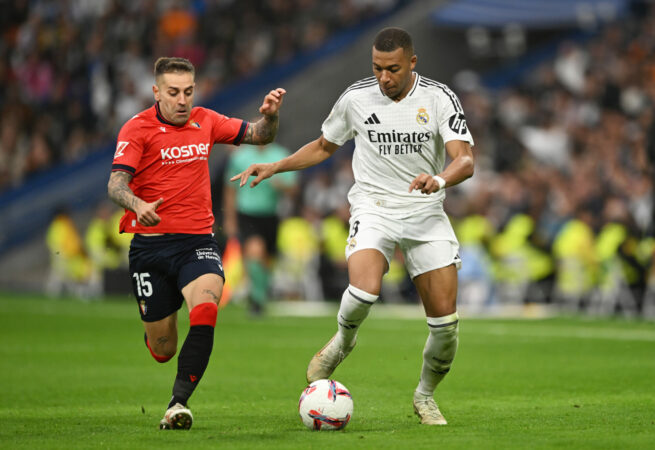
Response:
column 411, row 91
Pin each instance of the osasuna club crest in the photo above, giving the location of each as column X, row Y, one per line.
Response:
column 457, row 123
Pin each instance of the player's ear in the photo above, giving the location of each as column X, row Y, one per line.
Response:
column 155, row 92
column 412, row 62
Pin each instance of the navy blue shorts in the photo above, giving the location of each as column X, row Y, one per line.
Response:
column 161, row 266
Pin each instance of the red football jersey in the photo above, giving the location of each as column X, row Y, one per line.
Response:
column 171, row 162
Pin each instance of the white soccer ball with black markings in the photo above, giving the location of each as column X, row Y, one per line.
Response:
column 325, row 405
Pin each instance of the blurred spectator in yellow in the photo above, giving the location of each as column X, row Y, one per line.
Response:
column 576, row 261
column 623, row 275
column 107, row 248
column 334, row 236
column 296, row 271
column 71, row 270
column 519, row 263
column 476, row 291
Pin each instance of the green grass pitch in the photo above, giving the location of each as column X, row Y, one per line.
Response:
column 77, row 375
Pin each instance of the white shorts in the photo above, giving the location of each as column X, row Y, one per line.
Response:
column 427, row 240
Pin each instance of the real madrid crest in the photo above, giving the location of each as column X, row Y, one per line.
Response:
column 422, row 117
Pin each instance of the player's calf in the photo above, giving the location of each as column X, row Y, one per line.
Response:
column 158, row 358
column 195, row 352
column 354, row 308
column 439, row 351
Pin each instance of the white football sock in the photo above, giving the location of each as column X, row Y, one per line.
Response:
column 354, row 308
column 439, row 351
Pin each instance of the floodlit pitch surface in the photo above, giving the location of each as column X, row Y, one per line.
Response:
column 77, row 375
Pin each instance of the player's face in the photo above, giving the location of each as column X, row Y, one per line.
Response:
column 174, row 92
column 394, row 72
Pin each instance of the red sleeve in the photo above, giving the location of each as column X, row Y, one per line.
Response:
column 226, row 130
column 129, row 148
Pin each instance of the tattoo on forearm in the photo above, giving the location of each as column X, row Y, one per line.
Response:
column 162, row 340
column 211, row 293
column 263, row 131
column 120, row 192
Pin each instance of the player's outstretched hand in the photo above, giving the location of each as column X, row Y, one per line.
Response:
column 259, row 171
column 272, row 102
column 424, row 183
column 146, row 215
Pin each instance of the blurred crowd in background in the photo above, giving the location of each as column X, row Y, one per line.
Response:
column 72, row 72
column 562, row 200
column 560, row 209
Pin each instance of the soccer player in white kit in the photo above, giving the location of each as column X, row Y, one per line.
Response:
column 402, row 123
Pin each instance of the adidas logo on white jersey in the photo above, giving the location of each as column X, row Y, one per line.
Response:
column 373, row 119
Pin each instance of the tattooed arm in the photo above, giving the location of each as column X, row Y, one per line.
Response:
column 120, row 193
column 264, row 130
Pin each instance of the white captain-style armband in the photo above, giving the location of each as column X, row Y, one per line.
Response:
column 440, row 181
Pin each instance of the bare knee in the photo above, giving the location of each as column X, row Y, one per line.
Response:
column 161, row 338
column 165, row 346
column 205, row 288
column 370, row 286
column 366, row 269
column 162, row 348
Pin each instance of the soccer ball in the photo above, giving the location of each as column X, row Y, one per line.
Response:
column 325, row 405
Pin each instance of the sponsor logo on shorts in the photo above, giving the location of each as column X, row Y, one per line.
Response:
column 209, row 253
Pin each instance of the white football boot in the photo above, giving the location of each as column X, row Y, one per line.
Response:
column 426, row 408
column 177, row 417
column 326, row 360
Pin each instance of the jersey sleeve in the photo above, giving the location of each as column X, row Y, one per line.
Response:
column 337, row 127
column 129, row 148
column 451, row 119
column 226, row 130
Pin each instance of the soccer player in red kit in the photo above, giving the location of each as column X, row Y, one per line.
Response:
column 160, row 175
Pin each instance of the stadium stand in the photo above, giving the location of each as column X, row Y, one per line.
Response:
column 565, row 145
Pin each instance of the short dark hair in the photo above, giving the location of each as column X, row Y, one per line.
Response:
column 389, row 39
column 167, row 64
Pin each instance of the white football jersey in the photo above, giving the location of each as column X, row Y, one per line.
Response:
column 396, row 141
